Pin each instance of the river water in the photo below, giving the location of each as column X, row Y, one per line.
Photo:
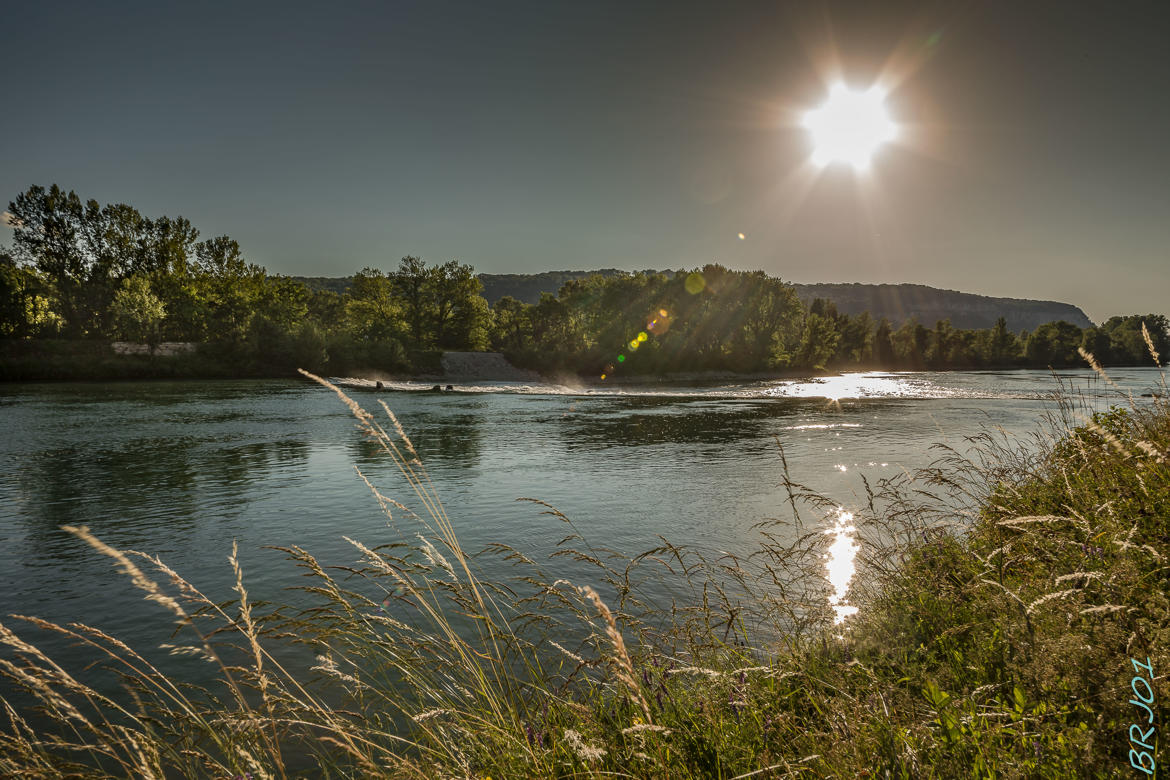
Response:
column 181, row 469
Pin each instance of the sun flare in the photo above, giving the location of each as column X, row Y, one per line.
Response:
column 850, row 126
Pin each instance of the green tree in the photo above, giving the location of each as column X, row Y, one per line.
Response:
column 1054, row 344
column 459, row 314
column 910, row 344
column 1096, row 342
column 818, row 342
column 48, row 233
column 25, row 307
column 1128, row 345
column 940, row 344
column 372, row 310
column 411, row 282
column 137, row 311
column 227, row 289
column 511, row 326
column 1001, row 347
column 883, row 346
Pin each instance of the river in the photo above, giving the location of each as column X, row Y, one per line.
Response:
column 180, row 469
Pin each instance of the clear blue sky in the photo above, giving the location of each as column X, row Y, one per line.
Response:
column 529, row 136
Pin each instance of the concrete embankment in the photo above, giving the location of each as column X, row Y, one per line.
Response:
column 484, row 367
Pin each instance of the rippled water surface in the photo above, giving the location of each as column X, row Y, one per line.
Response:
column 182, row 468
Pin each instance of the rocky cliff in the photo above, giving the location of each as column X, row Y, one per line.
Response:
column 900, row 302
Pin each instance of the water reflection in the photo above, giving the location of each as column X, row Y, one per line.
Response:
column 451, row 435
column 658, row 420
column 839, row 563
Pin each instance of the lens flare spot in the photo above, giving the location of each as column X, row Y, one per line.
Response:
column 634, row 344
column 621, row 358
column 662, row 313
column 742, row 236
column 642, row 336
column 603, row 376
column 695, row 283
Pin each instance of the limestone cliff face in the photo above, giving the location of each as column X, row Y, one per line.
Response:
column 900, row 302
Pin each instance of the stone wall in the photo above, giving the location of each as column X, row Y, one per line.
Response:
column 164, row 349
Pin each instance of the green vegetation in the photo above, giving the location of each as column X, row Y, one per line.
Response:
column 1002, row 596
column 81, row 274
column 89, row 274
column 715, row 319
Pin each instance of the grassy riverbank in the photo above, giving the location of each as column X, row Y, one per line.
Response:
column 1001, row 599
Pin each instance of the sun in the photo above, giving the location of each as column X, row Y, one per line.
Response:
column 850, row 126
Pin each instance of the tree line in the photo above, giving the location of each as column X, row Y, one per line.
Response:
column 716, row 319
column 80, row 270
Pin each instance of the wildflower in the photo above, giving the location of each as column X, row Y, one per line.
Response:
column 584, row 751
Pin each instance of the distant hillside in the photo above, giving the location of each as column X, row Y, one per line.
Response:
column 900, row 302
column 895, row 302
column 337, row 284
column 528, row 287
column 522, row 287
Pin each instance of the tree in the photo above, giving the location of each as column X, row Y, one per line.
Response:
column 228, row 288
column 511, row 326
column 48, row 235
column 910, row 343
column 1096, row 342
column 1054, row 344
column 1128, row 344
column 1002, row 347
column 137, row 311
column 459, row 314
column 940, row 344
column 410, row 283
column 818, row 343
column 372, row 310
column 883, row 346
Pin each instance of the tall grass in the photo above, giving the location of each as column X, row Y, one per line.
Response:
column 1002, row 593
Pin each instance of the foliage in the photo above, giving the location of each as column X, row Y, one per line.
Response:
column 85, row 271
column 137, row 311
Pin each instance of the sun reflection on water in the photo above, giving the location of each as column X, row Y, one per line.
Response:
column 839, row 563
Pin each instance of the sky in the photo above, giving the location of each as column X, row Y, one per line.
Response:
column 1031, row 159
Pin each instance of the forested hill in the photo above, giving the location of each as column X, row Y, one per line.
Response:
column 895, row 302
